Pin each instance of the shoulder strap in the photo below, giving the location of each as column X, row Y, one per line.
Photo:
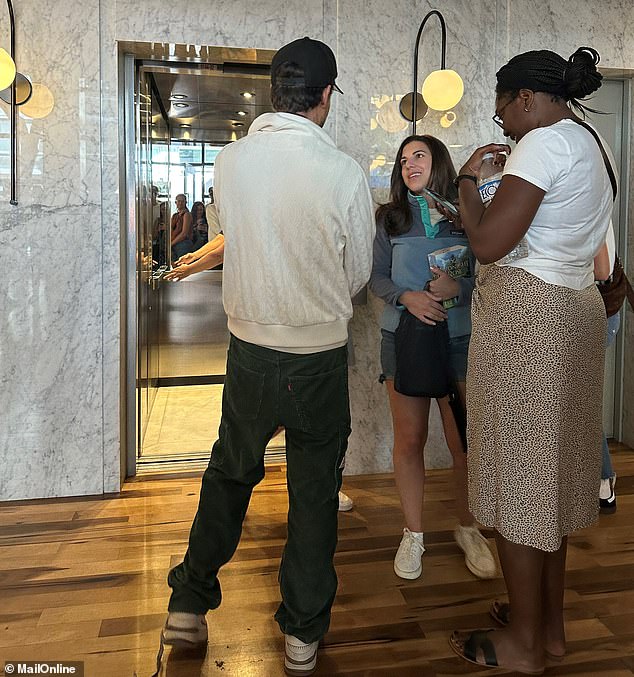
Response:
column 629, row 292
column 608, row 166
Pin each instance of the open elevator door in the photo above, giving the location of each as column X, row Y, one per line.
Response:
column 179, row 328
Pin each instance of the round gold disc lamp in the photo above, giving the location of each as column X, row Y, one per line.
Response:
column 15, row 89
column 406, row 106
column 23, row 90
column 442, row 88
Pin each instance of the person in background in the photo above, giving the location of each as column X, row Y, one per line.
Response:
column 293, row 260
column 199, row 224
column 607, row 494
column 181, row 229
column 409, row 228
column 535, row 376
column 212, row 215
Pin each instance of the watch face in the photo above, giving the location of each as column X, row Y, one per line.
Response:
column 443, row 201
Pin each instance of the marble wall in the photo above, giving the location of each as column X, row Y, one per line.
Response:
column 60, row 299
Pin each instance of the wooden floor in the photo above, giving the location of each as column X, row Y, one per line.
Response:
column 84, row 580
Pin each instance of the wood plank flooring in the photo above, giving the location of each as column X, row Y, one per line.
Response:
column 84, row 580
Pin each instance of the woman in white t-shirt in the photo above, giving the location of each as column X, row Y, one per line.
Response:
column 535, row 377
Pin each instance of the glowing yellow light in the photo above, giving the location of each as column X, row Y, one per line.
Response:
column 389, row 117
column 7, row 69
column 40, row 104
column 442, row 89
column 448, row 119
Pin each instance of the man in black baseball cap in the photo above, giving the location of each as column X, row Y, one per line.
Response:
column 314, row 57
column 288, row 200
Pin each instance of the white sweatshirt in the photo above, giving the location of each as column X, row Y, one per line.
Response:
column 298, row 221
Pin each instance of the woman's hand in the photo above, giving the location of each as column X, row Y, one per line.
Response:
column 473, row 164
column 179, row 273
column 444, row 285
column 424, row 305
column 450, row 216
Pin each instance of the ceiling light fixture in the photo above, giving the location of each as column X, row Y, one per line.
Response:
column 180, row 105
column 184, row 125
column 442, row 89
column 241, row 113
column 248, row 95
column 237, row 124
column 178, row 96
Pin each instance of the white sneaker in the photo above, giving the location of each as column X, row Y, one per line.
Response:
column 184, row 630
column 477, row 552
column 607, row 496
column 345, row 502
column 407, row 563
column 300, row 658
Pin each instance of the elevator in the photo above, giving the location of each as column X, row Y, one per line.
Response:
column 181, row 105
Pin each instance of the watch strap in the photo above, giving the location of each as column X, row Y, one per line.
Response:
column 460, row 177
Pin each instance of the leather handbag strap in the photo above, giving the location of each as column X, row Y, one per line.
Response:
column 629, row 292
column 608, row 166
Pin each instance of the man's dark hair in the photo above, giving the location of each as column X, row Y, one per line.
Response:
column 293, row 98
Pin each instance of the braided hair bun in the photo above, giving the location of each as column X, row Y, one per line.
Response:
column 581, row 76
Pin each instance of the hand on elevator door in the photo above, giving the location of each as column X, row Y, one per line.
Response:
column 179, row 273
column 185, row 258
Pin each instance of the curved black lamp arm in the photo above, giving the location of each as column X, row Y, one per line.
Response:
column 443, row 51
column 13, row 117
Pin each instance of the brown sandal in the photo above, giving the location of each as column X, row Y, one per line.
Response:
column 500, row 612
column 476, row 647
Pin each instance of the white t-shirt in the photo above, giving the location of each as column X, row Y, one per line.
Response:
column 572, row 221
column 212, row 221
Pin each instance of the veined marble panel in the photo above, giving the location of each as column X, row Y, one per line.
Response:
column 51, row 307
column 50, row 355
column 568, row 24
column 267, row 24
column 112, row 266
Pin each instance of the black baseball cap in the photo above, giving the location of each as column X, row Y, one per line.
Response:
column 314, row 57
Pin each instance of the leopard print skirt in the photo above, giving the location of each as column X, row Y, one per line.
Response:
column 534, row 403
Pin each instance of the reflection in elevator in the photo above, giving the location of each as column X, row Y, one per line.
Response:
column 184, row 115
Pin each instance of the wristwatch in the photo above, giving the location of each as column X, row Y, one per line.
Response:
column 459, row 178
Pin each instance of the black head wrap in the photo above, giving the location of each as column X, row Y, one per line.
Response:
column 545, row 71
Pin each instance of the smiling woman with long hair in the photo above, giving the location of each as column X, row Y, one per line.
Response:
column 409, row 228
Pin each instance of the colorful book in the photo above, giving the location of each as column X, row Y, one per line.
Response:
column 455, row 261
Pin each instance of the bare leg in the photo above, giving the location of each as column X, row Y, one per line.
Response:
column 409, row 417
column 520, row 645
column 452, row 436
column 553, row 578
